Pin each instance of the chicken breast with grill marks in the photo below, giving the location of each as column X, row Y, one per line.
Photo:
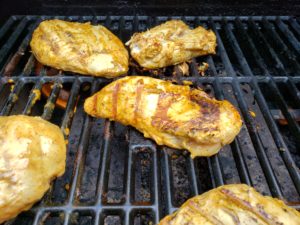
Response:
column 172, row 115
column 32, row 153
column 170, row 43
column 80, row 48
column 235, row 204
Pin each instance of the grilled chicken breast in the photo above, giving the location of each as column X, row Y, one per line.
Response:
column 172, row 115
column 80, row 48
column 32, row 153
column 170, row 43
column 236, row 204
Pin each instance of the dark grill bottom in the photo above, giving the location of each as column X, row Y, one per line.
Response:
column 116, row 176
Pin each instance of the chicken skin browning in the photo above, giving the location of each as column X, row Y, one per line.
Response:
column 32, row 153
column 172, row 115
column 80, row 48
column 170, row 43
column 235, row 204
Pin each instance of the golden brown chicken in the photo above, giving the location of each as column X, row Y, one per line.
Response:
column 80, row 48
column 235, row 204
column 170, row 43
column 32, row 153
column 172, row 115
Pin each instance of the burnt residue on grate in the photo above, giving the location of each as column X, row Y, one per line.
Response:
column 142, row 174
column 116, row 176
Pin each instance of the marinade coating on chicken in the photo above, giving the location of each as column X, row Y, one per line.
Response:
column 172, row 115
column 79, row 47
column 235, row 204
column 32, row 153
column 171, row 43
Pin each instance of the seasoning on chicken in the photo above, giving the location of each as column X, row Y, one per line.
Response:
column 172, row 115
column 80, row 48
column 32, row 153
column 235, row 204
column 170, row 43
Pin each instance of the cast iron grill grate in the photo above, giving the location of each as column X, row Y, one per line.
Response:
column 116, row 176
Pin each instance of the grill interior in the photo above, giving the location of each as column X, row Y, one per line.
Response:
column 116, row 176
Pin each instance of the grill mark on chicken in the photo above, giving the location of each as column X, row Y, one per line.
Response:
column 206, row 215
column 161, row 119
column 233, row 216
column 206, row 121
column 260, row 213
column 210, row 114
column 139, row 90
column 115, row 100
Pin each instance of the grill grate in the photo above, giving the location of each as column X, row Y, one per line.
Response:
column 116, row 176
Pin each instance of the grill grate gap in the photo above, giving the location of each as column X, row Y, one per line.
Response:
column 114, row 182
column 81, row 218
column 88, row 183
column 142, row 193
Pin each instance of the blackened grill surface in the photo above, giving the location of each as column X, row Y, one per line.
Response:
column 116, row 176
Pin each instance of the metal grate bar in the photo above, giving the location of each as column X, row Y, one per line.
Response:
column 6, row 26
column 260, row 151
column 295, row 25
column 247, row 71
column 33, row 97
column 289, row 35
column 280, row 142
column 37, row 217
column 285, row 109
column 245, row 65
column 256, row 55
column 100, row 186
column 12, row 63
column 281, row 45
column 12, row 98
column 8, row 45
column 129, row 180
column 216, row 169
column 50, row 105
column 267, row 114
column 241, row 163
column 81, row 149
column 28, row 68
column 237, row 50
column 80, row 152
column 271, row 51
column 70, row 108
column 167, row 174
column 294, row 91
column 193, row 176
column 107, row 130
column 156, row 186
column 214, row 161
